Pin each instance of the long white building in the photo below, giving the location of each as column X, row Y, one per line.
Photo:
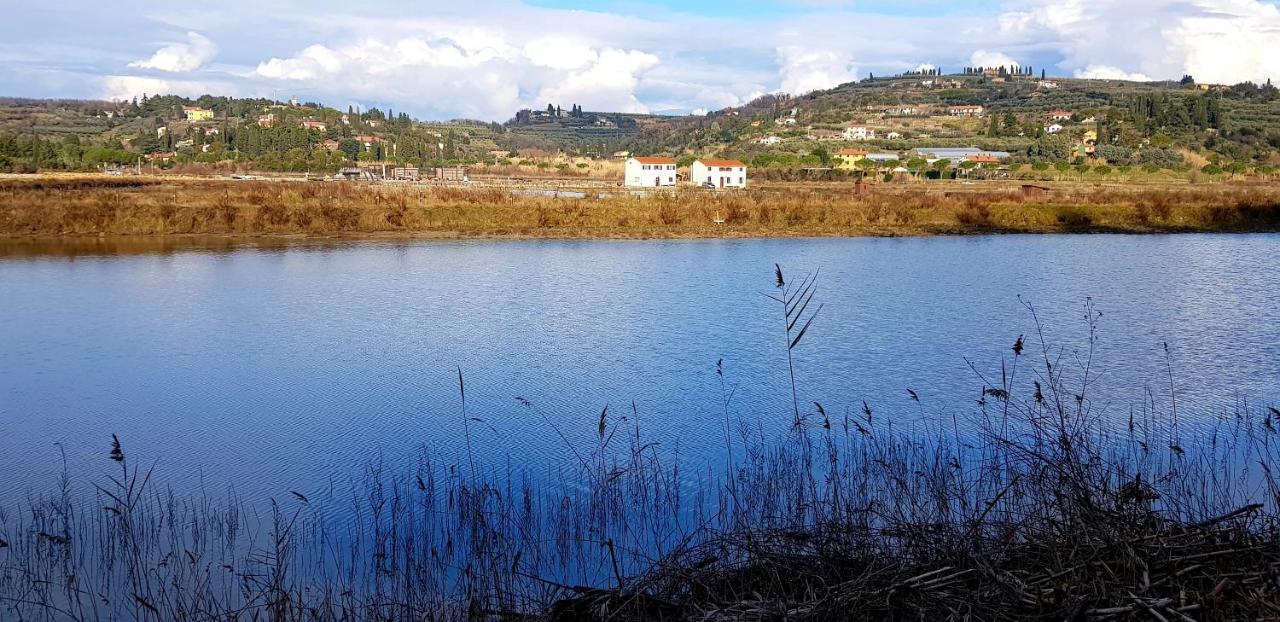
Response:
column 719, row 173
column 650, row 172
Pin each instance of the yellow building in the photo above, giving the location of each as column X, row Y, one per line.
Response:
column 847, row 159
column 197, row 114
column 1088, row 145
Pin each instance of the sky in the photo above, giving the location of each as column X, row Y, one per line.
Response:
column 487, row 59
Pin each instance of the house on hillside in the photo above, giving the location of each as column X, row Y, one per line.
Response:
column 770, row 140
column 893, row 136
column 1052, row 128
column 966, row 111
column 329, row 145
column 649, row 172
column 266, row 120
column 847, row 159
column 859, row 133
column 719, row 173
column 312, row 124
column 197, row 114
column 1059, row 115
column 1047, row 84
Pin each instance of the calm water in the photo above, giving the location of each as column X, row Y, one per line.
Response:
column 270, row 369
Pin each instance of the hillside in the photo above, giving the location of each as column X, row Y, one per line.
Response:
column 219, row 131
column 1053, row 122
column 1134, row 123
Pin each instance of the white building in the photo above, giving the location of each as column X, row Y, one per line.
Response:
column 1052, row 129
column 650, row 172
column 859, row 133
column 893, row 136
column 719, row 173
column 770, row 140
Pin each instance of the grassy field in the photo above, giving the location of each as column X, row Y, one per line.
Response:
column 155, row 206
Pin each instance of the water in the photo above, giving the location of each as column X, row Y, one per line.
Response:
column 291, row 366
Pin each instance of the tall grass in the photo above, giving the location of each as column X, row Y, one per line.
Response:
column 72, row 207
column 1047, row 509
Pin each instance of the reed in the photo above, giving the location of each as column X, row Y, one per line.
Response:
column 1036, row 506
column 83, row 207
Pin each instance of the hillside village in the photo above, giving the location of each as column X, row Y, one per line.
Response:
column 977, row 123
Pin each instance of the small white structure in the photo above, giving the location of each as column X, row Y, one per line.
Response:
column 650, row 172
column 719, row 173
column 893, row 136
column 859, row 133
column 1052, row 129
column 1060, row 115
column 770, row 140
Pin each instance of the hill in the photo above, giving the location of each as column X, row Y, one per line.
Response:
column 1128, row 123
column 1037, row 121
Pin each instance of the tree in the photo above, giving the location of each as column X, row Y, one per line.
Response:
column 350, row 147
column 1187, row 79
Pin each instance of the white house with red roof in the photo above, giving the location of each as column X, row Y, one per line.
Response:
column 719, row 173
column 649, row 172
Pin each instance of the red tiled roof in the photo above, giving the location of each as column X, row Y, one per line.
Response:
column 649, row 160
column 851, row 152
column 721, row 163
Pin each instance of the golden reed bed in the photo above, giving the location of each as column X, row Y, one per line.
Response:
column 79, row 206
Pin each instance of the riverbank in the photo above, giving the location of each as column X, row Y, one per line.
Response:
column 158, row 206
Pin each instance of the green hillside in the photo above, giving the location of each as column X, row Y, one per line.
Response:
column 1133, row 122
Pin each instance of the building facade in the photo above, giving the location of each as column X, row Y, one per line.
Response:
column 649, row 172
column 719, row 173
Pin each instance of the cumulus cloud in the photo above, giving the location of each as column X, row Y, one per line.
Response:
column 608, row 82
column 181, row 57
column 1107, row 72
column 923, row 67
column 128, row 87
column 1222, row 41
column 804, row 70
column 983, row 58
column 474, row 72
column 487, row 60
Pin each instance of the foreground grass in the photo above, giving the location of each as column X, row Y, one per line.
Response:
column 1050, row 510
column 125, row 206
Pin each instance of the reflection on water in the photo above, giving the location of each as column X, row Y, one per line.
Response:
column 288, row 364
column 93, row 246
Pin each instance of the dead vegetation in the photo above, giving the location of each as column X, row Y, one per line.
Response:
column 77, row 207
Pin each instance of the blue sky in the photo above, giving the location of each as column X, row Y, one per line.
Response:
column 487, row 59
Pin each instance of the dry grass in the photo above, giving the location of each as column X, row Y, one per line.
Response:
column 69, row 207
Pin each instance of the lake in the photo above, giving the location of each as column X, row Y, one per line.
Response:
column 293, row 365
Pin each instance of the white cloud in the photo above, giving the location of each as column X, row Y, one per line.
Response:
column 1107, row 72
column 608, row 83
column 559, row 53
column 1221, row 41
column 127, row 87
column 805, row 70
column 923, row 67
column 181, row 57
column 983, row 58
column 487, row 60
